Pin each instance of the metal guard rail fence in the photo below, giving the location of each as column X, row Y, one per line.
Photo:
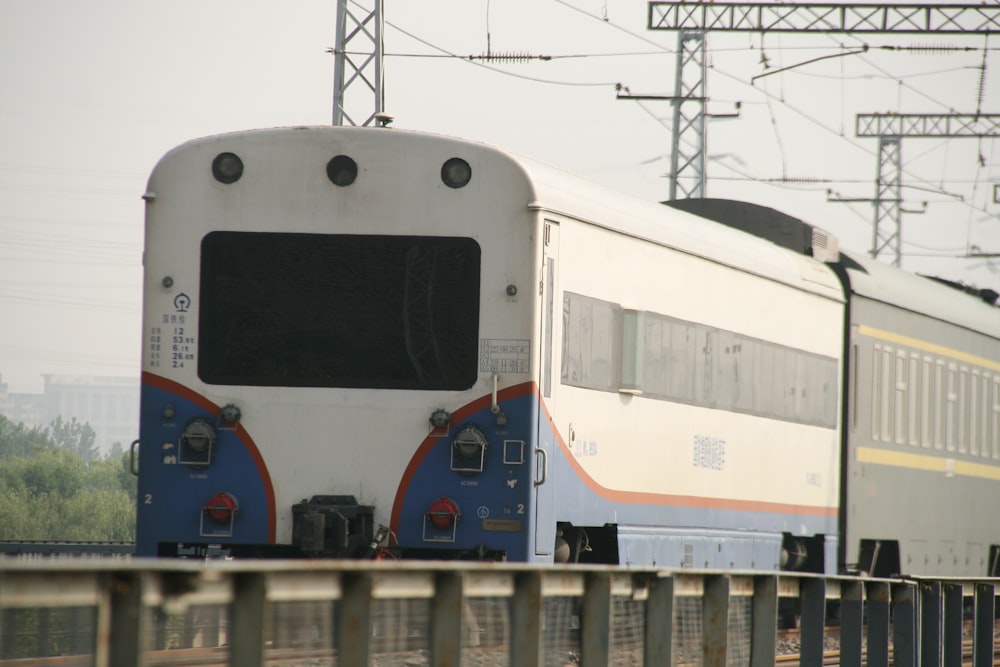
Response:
column 252, row 613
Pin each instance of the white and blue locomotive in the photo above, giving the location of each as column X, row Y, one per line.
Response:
column 365, row 342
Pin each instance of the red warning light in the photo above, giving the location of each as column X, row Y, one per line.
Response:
column 442, row 513
column 221, row 507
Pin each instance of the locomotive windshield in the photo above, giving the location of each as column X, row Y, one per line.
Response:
column 337, row 310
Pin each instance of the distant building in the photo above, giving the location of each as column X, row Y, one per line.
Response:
column 21, row 408
column 109, row 404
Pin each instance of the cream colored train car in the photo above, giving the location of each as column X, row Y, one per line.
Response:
column 373, row 342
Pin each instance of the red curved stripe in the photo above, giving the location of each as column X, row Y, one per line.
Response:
column 434, row 437
column 165, row 384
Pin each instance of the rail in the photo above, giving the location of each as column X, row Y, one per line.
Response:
column 253, row 613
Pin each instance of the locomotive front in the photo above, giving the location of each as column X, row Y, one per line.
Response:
column 338, row 341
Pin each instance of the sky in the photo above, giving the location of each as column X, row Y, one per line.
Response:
column 93, row 94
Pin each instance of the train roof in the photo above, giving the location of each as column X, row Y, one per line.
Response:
column 893, row 286
column 562, row 192
column 866, row 277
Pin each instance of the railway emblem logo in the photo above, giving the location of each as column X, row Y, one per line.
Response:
column 182, row 302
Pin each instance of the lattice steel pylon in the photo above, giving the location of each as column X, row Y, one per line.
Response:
column 699, row 17
column 888, row 200
column 890, row 130
column 687, row 155
column 358, row 87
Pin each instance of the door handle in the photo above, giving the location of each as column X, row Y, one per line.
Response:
column 544, row 468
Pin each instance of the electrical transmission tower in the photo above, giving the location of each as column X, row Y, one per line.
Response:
column 358, row 90
column 698, row 18
column 688, row 157
column 890, row 130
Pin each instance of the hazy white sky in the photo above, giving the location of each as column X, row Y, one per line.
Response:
column 92, row 94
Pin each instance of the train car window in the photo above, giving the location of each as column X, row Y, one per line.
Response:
column 927, row 401
column 973, row 404
column 744, row 373
column 876, row 391
column 951, row 409
column 914, row 401
column 632, row 345
column 590, row 329
column 855, row 362
column 995, row 430
column 961, row 410
column 886, row 392
column 728, row 370
column 683, row 345
column 984, row 415
column 704, row 367
column 357, row 311
column 899, row 409
column 940, row 398
column 550, row 290
column 692, row 363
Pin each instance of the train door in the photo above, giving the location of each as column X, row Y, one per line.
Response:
column 545, row 447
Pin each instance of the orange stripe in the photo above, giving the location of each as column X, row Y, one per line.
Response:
column 673, row 500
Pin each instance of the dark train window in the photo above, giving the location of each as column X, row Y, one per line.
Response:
column 337, row 310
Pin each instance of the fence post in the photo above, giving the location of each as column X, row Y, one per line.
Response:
column 246, row 614
column 813, row 600
column 904, row 623
column 354, row 623
column 852, row 620
column 982, row 637
column 595, row 622
column 953, row 620
column 930, row 623
column 526, row 620
column 120, row 628
column 446, row 620
column 764, row 626
column 659, row 630
column 715, row 621
column 878, row 624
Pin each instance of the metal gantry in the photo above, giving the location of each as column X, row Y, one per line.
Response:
column 697, row 18
column 358, row 87
column 982, row 19
column 890, row 130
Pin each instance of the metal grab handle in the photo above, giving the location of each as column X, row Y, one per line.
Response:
column 545, row 465
column 495, row 407
column 131, row 457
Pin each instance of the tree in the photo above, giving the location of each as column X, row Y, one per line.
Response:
column 19, row 440
column 61, row 490
column 76, row 437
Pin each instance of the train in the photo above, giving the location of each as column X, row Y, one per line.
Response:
column 382, row 343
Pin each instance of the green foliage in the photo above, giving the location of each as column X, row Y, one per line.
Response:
column 53, row 486
column 19, row 440
column 75, row 437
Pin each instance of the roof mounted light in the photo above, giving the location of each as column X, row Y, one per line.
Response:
column 227, row 168
column 456, row 173
column 342, row 170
